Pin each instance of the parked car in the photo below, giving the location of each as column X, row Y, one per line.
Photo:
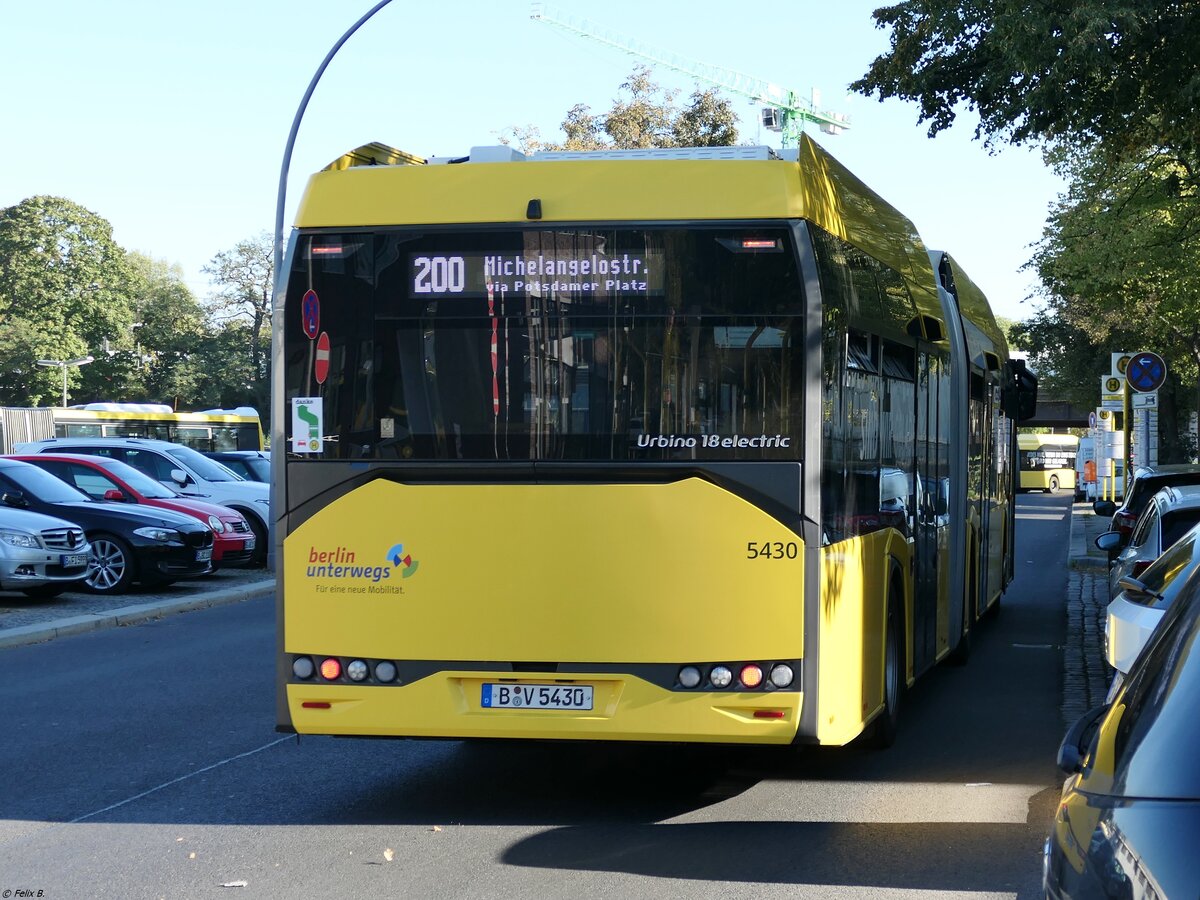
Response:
column 102, row 478
column 1129, row 814
column 189, row 471
column 253, row 465
column 1163, row 521
column 128, row 543
column 40, row 556
column 1142, row 599
column 1146, row 482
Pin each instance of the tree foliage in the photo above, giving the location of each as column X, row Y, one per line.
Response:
column 65, row 285
column 241, row 307
column 1122, row 73
column 643, row 115
column 1120, row 264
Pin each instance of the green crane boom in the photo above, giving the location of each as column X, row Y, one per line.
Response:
column 786, row 110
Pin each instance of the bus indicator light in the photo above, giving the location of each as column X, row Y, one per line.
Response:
column 689, row 676
column 385, row 672
column 331, row 669
column 751, row 675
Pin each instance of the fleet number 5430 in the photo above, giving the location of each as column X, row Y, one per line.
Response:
column 772, row 550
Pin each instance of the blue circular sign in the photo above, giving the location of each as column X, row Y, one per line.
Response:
column 1146, row 372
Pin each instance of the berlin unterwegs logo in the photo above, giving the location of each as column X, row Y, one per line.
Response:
column 397, row 557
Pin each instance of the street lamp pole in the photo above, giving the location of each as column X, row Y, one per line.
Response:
column 65, row 364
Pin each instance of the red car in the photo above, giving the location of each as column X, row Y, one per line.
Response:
column 109, row 479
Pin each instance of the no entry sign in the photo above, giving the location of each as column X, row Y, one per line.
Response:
column 321, row 363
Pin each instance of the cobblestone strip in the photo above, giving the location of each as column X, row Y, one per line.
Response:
column 1086, row 675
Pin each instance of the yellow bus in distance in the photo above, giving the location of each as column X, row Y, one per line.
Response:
column 1047, row 461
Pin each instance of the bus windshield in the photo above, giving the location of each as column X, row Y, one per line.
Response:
column 585, row 343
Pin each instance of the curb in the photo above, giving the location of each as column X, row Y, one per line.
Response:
column 1082, row 556
column 130, row 615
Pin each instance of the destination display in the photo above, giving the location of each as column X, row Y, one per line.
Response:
column 586, row 272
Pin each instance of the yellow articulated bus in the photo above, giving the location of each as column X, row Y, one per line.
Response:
column 1047, row 461
column 671, row 445
column 213, row 429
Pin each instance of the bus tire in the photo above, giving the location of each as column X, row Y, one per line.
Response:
column 1053, row 488
column 883, row 729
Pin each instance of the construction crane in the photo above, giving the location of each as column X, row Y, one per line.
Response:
column 786, row 111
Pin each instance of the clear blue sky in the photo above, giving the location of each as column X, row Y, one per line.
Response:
column 169, row 118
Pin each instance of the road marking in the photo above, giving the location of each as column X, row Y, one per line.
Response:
column 181, row 778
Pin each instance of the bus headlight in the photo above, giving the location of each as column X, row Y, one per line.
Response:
column 689, row 676
column 357, row 670
column 302, row 667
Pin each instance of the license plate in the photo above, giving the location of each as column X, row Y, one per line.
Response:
column 71, row 560
column 536, row 696
column 203, row 555
column 249, row 545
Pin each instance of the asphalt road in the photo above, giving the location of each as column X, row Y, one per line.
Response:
column 141, row 762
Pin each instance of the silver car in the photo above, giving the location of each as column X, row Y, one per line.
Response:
column 1169, row 514
column 40, row 556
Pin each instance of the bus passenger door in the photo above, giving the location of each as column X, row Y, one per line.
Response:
column 930, row 518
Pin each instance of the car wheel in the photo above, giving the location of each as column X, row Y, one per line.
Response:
column 111, row 569
column 44, row 591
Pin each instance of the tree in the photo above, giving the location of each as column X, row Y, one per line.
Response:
column 65, row 285
column 644, row 115
column 1120, row 264
column 241, row 305
column 152, row 361
column 1121, row 73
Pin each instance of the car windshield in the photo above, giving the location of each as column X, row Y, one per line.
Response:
column 139, row 481
column 201, row 465
column 44, row 486
column 259, row 466
column 1163, row 575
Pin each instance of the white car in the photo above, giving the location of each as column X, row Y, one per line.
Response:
column 41, row 556
column 188, row 471
column 1138, row 608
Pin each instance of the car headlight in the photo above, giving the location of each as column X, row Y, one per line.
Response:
column 21, row 539
column 216, row 524
column 166, row 535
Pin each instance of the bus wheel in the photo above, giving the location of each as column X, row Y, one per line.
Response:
column 1053, row 489
column 883, row 730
